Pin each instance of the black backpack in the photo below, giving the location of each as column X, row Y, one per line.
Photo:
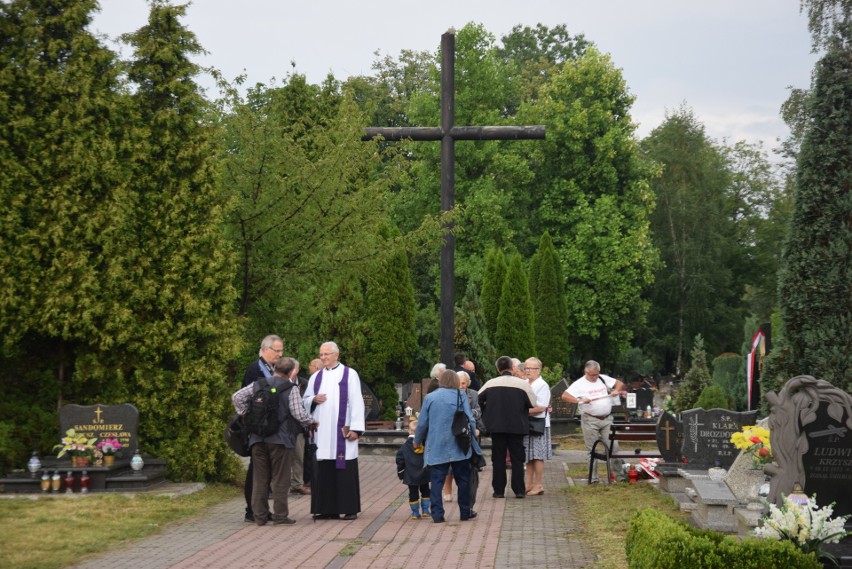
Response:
column 262, row 418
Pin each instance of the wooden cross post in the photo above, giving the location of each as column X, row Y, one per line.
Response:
column 448, row 133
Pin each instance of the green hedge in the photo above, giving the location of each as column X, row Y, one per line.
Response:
column 656, row 541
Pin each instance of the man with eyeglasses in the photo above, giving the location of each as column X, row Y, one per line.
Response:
column 595, row 393
column 334, row 399
column 271, row 348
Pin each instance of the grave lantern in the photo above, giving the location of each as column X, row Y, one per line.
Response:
column 408, row 411
column 798, row 496
column 34, row 464
column 136, row 463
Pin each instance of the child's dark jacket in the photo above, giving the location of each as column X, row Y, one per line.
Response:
column 409, row 465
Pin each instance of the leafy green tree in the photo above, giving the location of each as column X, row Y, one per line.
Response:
column 305, row 198
column 492, row 288
column 695, row 292
column 760, row 204
column 550, row 314
column 536, row 54
column 591, row 194
column 515, row 334
column 696, row 379
column 814, row 281
column 173, row 265
column 390, row 328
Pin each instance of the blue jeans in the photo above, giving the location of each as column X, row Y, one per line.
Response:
column 461, row 474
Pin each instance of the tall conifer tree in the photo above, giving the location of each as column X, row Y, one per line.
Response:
column 176, row 270
column 515, row 335
column 492, row 288
column 815, row 281
column 551, row 317
column 390, row 327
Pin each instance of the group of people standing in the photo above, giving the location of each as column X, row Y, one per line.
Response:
column 329, row 411
column 502, row 407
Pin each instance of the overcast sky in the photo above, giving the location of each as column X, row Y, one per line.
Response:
column 731, row 61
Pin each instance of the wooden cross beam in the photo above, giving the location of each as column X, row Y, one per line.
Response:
column 448, row 133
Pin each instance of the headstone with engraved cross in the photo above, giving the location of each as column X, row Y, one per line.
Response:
column 669, row 437
column 448, row 133
column 707, row 436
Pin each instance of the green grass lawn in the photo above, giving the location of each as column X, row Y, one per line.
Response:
column 605, row 512
column 49, row 533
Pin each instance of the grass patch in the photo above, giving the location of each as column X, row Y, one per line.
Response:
column 49, row 533
column 605, row 511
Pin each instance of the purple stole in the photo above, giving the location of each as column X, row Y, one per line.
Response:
column 341, row 414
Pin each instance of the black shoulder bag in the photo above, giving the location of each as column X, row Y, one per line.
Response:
column 461, row 426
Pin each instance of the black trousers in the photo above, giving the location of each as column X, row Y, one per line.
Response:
column 514, row 444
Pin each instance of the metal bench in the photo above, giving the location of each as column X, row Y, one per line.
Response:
column 627, row 432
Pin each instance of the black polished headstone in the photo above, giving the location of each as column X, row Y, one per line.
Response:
column 103, row 422
column 828, row 460
column 644, row 399
column 670, row 437
column 561, row 409
column 707, row 436
column 372, row 404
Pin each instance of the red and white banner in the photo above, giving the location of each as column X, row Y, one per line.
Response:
column 756, row 342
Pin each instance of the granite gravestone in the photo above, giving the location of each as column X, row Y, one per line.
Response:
column 561, row 409
column 827, row 462
column 670, row 437
column 103, row 422
column 707, row 436
column 372, row 404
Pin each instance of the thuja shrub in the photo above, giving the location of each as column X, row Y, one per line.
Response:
column 656, row 541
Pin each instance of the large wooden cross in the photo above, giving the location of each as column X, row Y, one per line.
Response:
column 448, row 133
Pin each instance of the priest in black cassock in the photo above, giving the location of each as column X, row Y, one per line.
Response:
column 334, row 399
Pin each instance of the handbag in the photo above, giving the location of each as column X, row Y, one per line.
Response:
column 537, row 425
column 237, row 436
column 461, row 427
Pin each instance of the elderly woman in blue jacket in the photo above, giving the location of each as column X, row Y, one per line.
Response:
column 442, row 451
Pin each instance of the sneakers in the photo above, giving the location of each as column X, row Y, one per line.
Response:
column 350, row 517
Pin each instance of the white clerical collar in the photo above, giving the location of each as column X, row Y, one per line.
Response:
column 333, row 368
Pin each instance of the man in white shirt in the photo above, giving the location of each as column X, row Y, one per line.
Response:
column 595, row 393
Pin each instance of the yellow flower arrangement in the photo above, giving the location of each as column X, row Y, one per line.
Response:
column 755, row 441
column 75, row 444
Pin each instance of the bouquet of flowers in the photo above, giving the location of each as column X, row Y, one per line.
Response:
column 109, row 447
column 754, row 441
column 75, row 444
column 807, row 526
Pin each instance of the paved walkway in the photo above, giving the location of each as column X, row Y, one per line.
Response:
column 536, row 532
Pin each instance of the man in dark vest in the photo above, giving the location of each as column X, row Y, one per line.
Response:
column 271, row 348
column 272, row 455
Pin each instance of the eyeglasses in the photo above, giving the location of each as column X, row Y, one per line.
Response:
column 278, row 351
column 324, row 354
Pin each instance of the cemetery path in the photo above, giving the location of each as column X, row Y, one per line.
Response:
column 537, row 532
